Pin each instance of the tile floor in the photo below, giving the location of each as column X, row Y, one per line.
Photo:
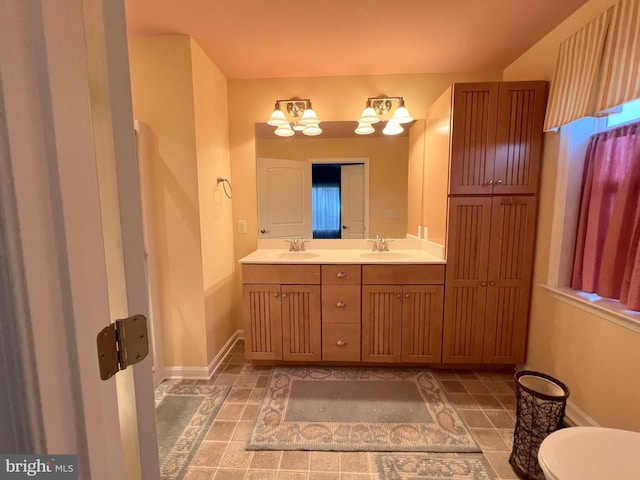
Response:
column 485, row 400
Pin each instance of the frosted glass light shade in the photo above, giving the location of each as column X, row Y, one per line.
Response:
column 401, row 115
column 284, row 130
column 312, row 130
column 277, row 118
column 368, row 116
column 364, row 129
column 297, row 126
column 309, row 117
column 392, row 128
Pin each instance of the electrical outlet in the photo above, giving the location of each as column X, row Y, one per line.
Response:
column 242, row 226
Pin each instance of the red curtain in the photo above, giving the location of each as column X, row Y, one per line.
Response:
column 607, row 257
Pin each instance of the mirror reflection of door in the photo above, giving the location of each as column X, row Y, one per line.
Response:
column 284, row 198
column 314, row 199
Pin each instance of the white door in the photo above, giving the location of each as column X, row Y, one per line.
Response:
column 352, row 200
column 284, row 198
column 74, row 219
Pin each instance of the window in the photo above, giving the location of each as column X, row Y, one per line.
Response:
column 574, row 139
column 325, row 200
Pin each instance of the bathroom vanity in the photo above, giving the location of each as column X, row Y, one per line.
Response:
column 341, row 305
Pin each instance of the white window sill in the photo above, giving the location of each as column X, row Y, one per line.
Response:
column 610, row 310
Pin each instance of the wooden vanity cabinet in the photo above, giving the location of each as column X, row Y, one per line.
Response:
column 402, row 312
column 496, row 137
column 341, row 313
column 282, row 312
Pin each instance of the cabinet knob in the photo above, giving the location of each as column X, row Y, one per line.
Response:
column 276, row 294
column 483, row 284
column 499, row 182
column 341, row 343
column 284, row 295
column 490, row 182
column 406, row 295
column 341, row 274
column 398, row 296
column 341, row 304
column 493, row 284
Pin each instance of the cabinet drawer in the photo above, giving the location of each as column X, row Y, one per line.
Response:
column 281, row 274
column 341, row 274
column 341, row 304
column 417, row 274
column 341, row 342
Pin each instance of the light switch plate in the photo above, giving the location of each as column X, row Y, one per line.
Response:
column 242, row 226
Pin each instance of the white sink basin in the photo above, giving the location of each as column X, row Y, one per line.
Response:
column 385, row 255
column 293, row 255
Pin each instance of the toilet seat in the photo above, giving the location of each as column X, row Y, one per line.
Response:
column 590, row 453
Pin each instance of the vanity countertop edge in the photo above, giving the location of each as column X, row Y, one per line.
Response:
column 336, row 256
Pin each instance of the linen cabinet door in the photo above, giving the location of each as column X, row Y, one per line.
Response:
column 301, row 336
column 263, row 325
column 466, row 279
column 381, row 323
column 422, row 313
column 521, row 109
column 473, row 136
column 513, row 223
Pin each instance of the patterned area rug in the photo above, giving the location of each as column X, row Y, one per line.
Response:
column 433, row 467
column 358, row 409
column 184, row 414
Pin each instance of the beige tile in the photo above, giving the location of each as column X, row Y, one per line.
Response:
column 247, row 380
column 453, row 386
column 236, row 456
column 261, row 475
column 475, row 418
column 499, row 387
column 209, row 454
column 233, row 368
column 225, row 379
column 507, row 436
column 462, row 400
column 266, row 460
column 475, row 386
column 356, row 462
column 325, row 462
column 221, row 430
column 324, row 476
column 250, row 412
column 262, row 382
column 466, row 374
column 356, row 476
column 230, row 411
column 230, row 474
column 197, row 473
column 295, row 460
column 500, row 418
column 486, row 401
column 444, row 374
column 243, row 430
column 500, row 463
column 507, row 401
column 287, row 475
column 489, row 439
column 238, row 394
column 256, row 395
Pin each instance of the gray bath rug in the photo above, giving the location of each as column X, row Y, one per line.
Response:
column 430, row 466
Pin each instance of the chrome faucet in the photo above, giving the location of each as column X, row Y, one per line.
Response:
column 380, row 244
column 296, row 244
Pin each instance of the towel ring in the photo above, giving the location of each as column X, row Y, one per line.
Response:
column 225, row 182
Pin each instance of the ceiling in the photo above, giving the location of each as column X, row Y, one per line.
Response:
column 296, row 38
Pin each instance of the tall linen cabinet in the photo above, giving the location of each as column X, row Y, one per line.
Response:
column 492, row 150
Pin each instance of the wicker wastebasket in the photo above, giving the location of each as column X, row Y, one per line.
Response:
column 541, row 402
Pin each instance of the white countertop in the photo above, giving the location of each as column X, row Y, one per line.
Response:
column 343, row 252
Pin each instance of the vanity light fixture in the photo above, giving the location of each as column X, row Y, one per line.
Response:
column 378, row 107
column 302, row 118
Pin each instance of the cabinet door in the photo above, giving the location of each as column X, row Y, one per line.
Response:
column 301, row 336
column 381, row 323
column 466, row 275
column 262, row 322
column 422, row 312
column 521, row 108
column 473, row 138
column 513, row 223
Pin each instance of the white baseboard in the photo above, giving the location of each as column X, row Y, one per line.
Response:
column 205, row 373
column 575, row 417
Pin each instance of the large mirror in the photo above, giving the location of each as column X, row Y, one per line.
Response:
column 339, row 184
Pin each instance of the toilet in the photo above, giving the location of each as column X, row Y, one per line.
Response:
column 590, row 453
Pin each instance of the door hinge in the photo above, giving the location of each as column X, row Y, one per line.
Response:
column 121, row 344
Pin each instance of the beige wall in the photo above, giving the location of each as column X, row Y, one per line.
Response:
column 387, row 171
column 414, row 180
column 181, row 96
column 598, row 360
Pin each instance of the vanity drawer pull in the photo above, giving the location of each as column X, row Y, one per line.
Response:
column 284, row 295
column 341, row 304
column 341, row 274
column 276, row 295
column 341, row 343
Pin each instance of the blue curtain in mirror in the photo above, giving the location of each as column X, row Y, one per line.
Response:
column 325, row 201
